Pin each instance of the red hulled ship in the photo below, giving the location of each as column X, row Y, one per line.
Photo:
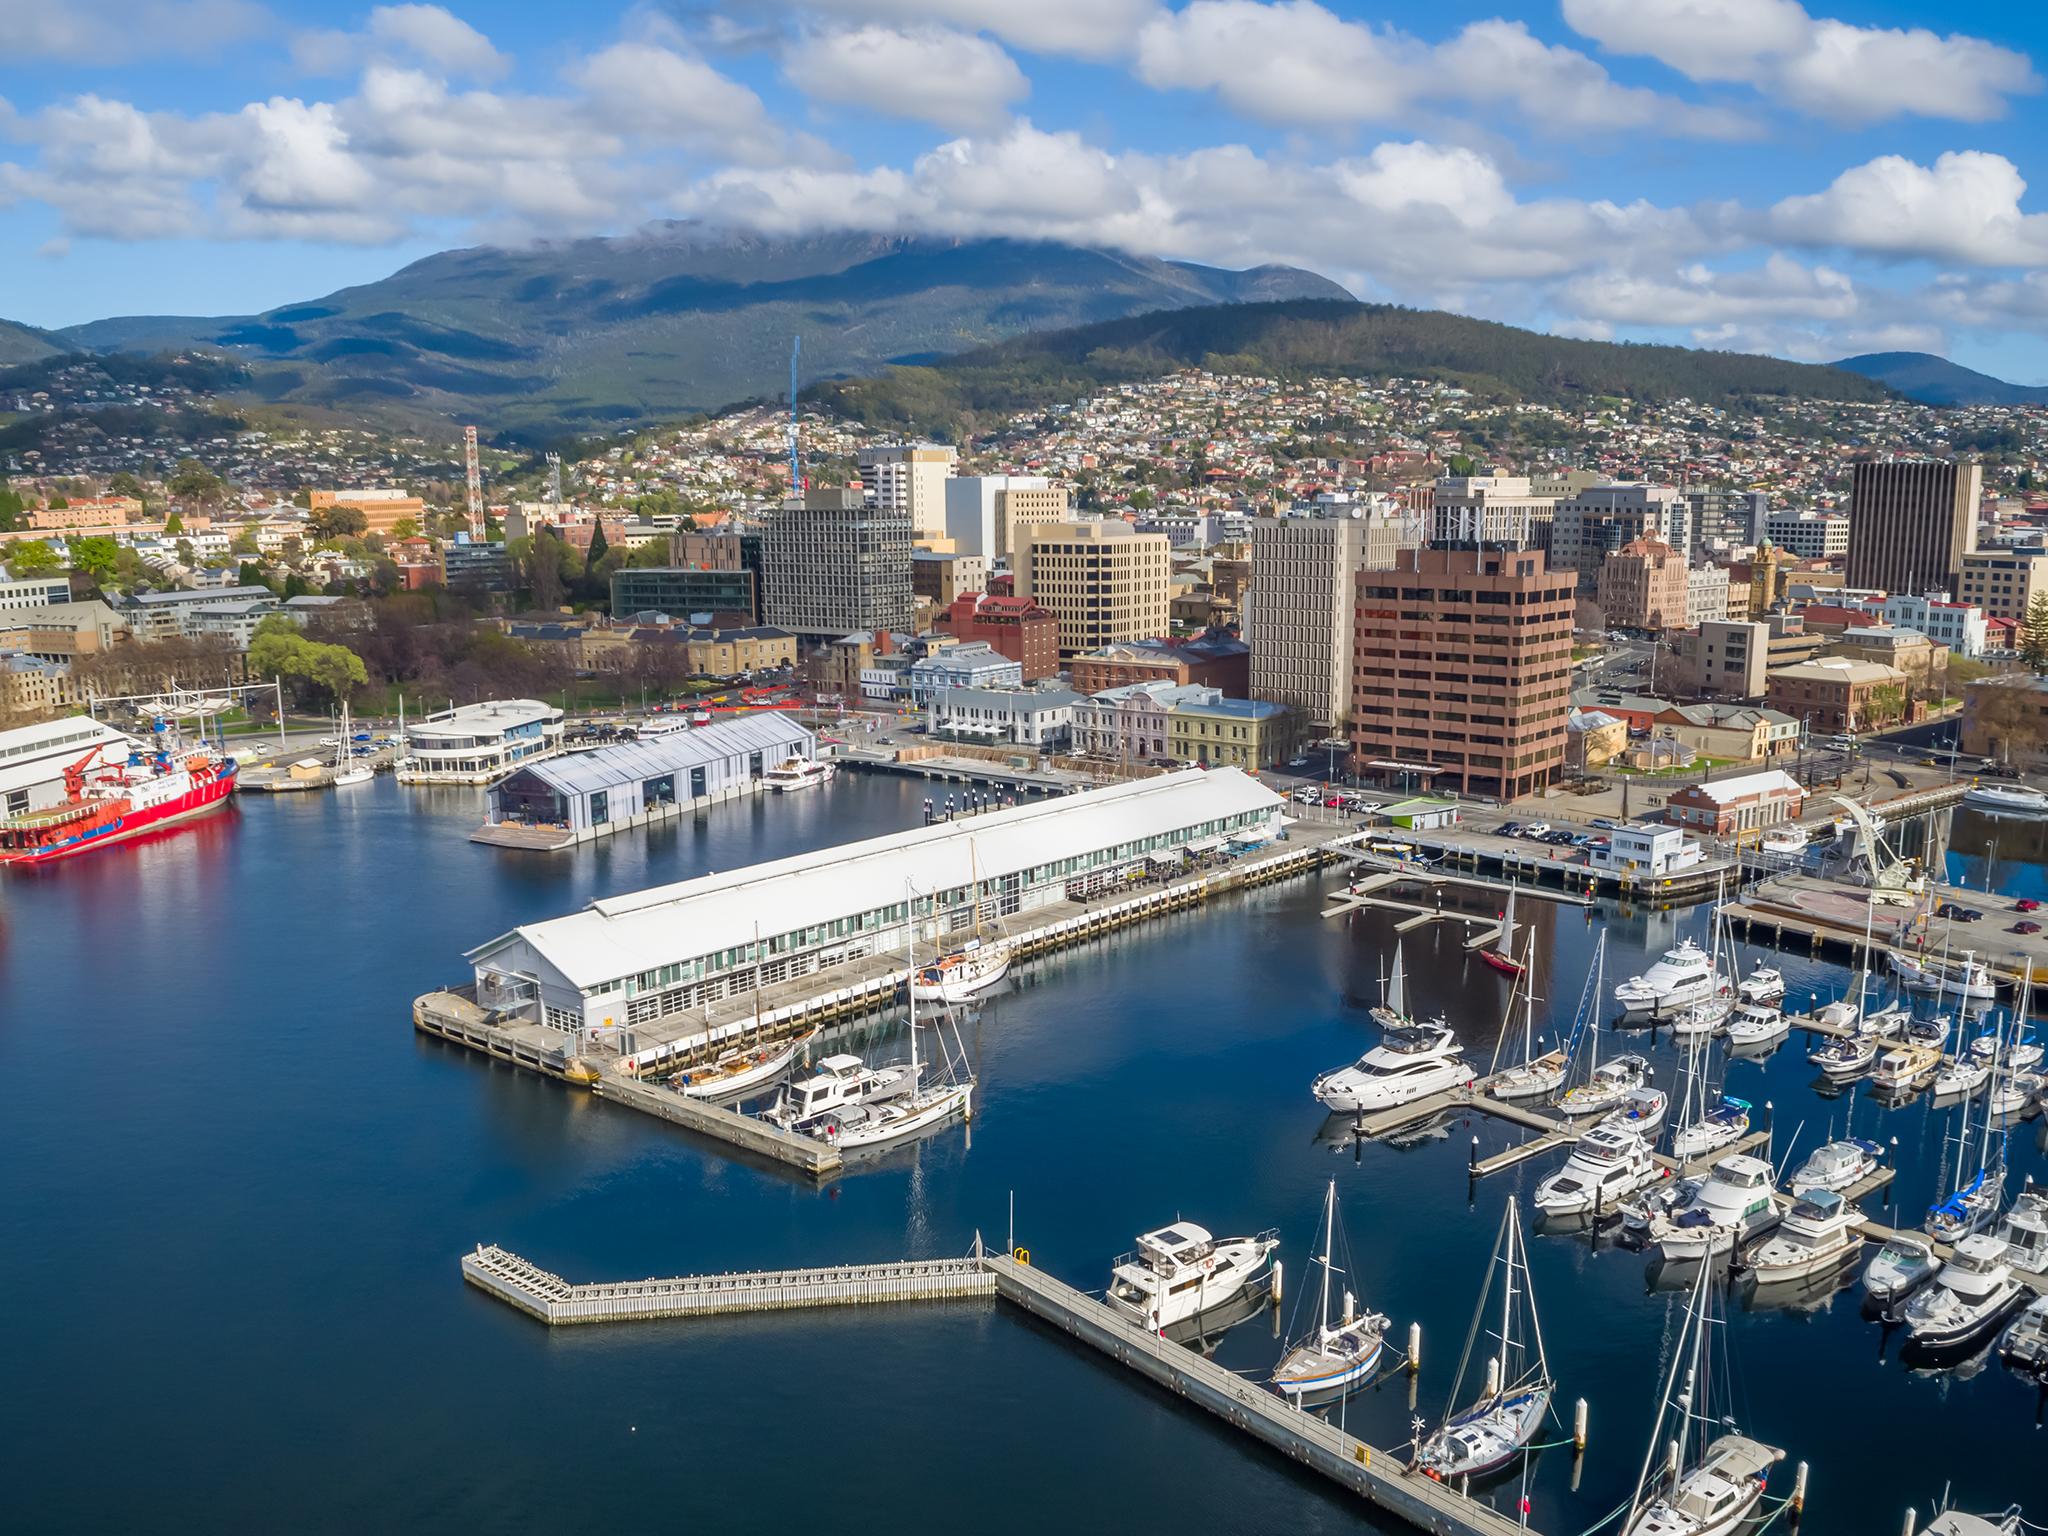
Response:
column 117, row 792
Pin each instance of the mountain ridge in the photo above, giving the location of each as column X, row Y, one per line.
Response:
column 1934, row 380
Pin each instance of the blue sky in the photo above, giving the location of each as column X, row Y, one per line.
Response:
column 1794, row 176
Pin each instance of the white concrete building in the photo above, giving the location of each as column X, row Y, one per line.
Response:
column 910, row 478
column 1809, row 535
column 34, row 591
column 1706, row 594
column 33, row 759
column 1646, row 852
column 1959, row 626
column 1041, row 718
column 477, row 743
column 984, row 512
column 973, row 665
column 1599, row 519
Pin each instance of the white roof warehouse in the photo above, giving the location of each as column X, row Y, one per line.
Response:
column 634, row 959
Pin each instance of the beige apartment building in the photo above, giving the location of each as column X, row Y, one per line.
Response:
column 1020, row 508
column 910, row 477
column 1103, row 581
column 1298, row 622
column 1643, row 585
column 2003, row 581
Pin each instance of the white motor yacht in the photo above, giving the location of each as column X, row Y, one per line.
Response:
column 1836, row 1165
column 1906, row 1262
column 1968, row 1300
column 2024, row 1230
column 1607, row 1165
column 1409, row 1063
column 1706, row 1017
column 1786, row 837
column 1840, row 1013
column 1682, row 976
column 1756, row 1023
column 840, row 1082
column 1721, row 1126
column 1605, row 1087
column 1179, row 1272
column 1816, row 1236
column 1764, row 984
column 1732, row 1206
column 794, row 773
column 2024, row 1346
column 2006, row 799
column 1642, row 1111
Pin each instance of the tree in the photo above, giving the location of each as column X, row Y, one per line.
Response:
column 598, row 544
column 2034, row 634
column 187, row 555
column 280, row 649
column 59, row 503
column 244, row 544
column 193, row 481
column 124, row 484
column 95, row 556
column 405, row 528
column 33, row 557
column 337, row 522
column 173, row 526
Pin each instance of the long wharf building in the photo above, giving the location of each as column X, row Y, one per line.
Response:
column 630, row 962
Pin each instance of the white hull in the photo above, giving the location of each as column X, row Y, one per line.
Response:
column 723, row 1083
column 1774, row 1262
column 1356, row 1096
column 354, row 776
column 878, row 1125
column 959, row 977
column 2010, row 802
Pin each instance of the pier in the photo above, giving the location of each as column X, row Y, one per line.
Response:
column 1381, row 1478
column 1383, row 873
column 1823, row 917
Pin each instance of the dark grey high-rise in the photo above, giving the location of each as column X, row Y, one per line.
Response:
column 1911, row 521
column 832, row 565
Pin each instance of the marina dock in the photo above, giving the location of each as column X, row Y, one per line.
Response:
column 1822, row 917
column 1380, row 1477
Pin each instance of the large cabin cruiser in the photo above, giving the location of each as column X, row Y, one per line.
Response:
column 1607, row 1165
column 1180, row 1272
column 1968, row 1300
column 1409, row 1063
column 1733, row 1205
column 839, row 1083
column 1682, row 976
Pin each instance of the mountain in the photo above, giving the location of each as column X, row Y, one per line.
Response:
column 1313, row 336
column 1936, row 381
column 25, row 344
column 675, row 318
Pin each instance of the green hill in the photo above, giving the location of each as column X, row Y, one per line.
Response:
column 569, row 335
column 1936, row 381
column 1312, row 336
column 25, row 344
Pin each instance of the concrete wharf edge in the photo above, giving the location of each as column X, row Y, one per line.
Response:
column 1379, row 1477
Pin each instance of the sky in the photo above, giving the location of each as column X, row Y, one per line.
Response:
column 1810, row 178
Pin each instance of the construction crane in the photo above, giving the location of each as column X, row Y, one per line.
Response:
column 476, row 480
column 796, row 474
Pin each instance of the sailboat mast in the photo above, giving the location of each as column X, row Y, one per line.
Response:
column 1679, row 1362
column 910, row 970
column 1329, row 1238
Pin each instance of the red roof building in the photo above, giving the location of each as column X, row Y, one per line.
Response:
column 1015, row 627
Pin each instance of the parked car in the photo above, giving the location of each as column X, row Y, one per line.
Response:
column 1958, row 914
column 1536, row 829
column 2026, row 904
column 2024, row 928
column 1605, row 823
column 1510, row 829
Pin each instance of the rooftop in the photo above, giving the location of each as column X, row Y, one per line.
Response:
column 1769, row 781
column 630, row 762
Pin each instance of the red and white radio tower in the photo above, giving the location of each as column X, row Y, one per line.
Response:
column 476, row 481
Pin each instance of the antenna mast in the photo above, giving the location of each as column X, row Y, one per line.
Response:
column 796, row 347
column 555, row 479
column 476, row 480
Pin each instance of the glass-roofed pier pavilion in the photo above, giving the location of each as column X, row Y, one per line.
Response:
column 658, row 964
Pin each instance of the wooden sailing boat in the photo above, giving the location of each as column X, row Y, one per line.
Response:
column 1496, row 1428
column 1501, row 955
column 974, row 967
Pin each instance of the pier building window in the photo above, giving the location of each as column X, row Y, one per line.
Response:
column 600, row 808
column 659, row 791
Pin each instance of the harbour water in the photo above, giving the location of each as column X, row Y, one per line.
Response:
column 237, row 1184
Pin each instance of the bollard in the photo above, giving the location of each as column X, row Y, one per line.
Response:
column 1472, row 1162
column 1911, row 1516
column 1276, row 1282
column 1579, row 1426
column 1415, row 1346
column 1799, row 1489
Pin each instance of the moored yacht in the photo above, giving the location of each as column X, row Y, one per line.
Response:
column 1493, row 1431
column 1722, row 1126
column 955, row 977
column 1906, row 1262
column 1409, row 1063
column 1968, row 1300
column 840, row 1082
column 794, row 773
column 1970, row 980
column 1764, row 984
column 1756, row 1023
column 1179, row 1272
column 2024, row 1231
column 1733, row 1205
column 741, row 1070
column 1850, row 1056
column 1904, row 1069
column 1836, row 1165
column 1607, row 1165
column 1817, row 1235
column 2006, row 799
column 1641, row 1112
column 1606, row 1087
column 1334, row 1355
column 1682, row 976
column 1786, row 837
column 2024, row 1345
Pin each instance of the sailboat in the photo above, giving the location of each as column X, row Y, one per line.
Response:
column 875, row 1123
column 974, row 967
column 1332, row 1356
column 748, row 1065
column 1534, row 1076
column 1709, row 1015
column 1501, row 955
column 1392, row 1012
column 1702, row 1130
column 348, row 769
column 1705, row 1483
column 1496, row 1428
column 1602, row 1088
column 1974, row 1206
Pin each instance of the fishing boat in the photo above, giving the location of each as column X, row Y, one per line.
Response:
column 1682, row 976
column 1606, row 1087
column 840, row 1082
column 1333, row 1356
column 1180, row 1272
column 2024, row 1231
column 1495, row 1429
column 1967, row 1302
column 1534, row 1076
column 1500, row 955
column 1607, row 1165
column 1392, row 1012
column 1732, row 1206
column 348, row 768
column 1641, row 1112
column 121, row 790
column 977, row 965
column 1409, row 1063
column 1836, row 1165
column 1904, row 1069
column 1816, row 1236
column 1906, row 1262
column 742, row 1070
column 794, row 773
column 2024, row 1344
column 1696, row 1480
column 2006, row 799
column 1763, row 984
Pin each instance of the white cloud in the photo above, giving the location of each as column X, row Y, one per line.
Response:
column 1829, row 68
column 1295, row 62
column 954, row 80
column 657, row 92
column 1704, row 298
column 425, row 34
column 108, row 31
column 1092, row 29
column 1965, row 207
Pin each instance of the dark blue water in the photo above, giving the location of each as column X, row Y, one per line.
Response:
column 237, row 1184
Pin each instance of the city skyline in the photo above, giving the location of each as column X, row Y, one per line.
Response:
column 1753, row 174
